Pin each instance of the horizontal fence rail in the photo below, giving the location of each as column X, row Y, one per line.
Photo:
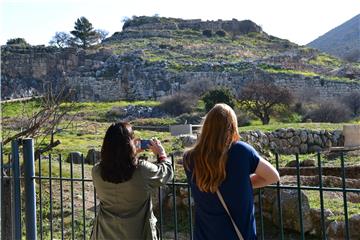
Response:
column 62, row 203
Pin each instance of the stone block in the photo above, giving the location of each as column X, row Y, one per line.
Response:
column 182, row 129
column 352, row 135
column 75, row 157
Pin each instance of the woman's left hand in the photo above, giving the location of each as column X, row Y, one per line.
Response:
column 137, row 146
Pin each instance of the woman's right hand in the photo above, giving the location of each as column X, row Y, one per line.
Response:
column 156, row 147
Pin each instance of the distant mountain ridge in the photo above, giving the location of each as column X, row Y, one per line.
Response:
column 342, row 41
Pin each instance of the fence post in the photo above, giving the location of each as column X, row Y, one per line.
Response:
column 6, row 211
column 30, row 194
column 16, row 189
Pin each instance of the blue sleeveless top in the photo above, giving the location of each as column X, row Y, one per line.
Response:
column 211, row 219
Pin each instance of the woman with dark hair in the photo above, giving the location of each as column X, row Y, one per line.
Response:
column 124, row 184
column 222, row 172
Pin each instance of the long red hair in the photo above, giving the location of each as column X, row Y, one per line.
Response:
column 210, row 152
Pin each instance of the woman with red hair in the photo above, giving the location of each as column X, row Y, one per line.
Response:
column 222, row 172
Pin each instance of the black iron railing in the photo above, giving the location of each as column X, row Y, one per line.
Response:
column 59, row 200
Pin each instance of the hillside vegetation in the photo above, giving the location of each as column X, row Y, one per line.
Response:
column 194, row 48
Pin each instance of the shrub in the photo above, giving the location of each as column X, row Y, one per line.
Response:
column 352, row 101
column 299, row 108
column 243, row 119
column 189, row 118
column 198, row 87
column 219, row 95
column 221, row 33
column 178, row 104
column 114, row 113
column 353, row 56
column 21, row 42
column 329, row 111
column 207, row 33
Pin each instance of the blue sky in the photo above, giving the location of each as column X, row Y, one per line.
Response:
column 300, row 21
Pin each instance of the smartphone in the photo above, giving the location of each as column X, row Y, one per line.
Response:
column 144, row 144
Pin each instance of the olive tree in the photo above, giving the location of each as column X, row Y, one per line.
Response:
column 262, row 98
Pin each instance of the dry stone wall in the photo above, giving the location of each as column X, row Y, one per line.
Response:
column 291, row 141
column 103, row 76
column 285, row 141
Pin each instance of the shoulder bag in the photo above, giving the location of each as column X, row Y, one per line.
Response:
column 238, row 233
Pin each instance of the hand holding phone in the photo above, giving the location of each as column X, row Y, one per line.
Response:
column 144, row 144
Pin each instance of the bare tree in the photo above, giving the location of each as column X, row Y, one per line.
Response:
column 329, row 111
column 352, row 101
column 102, row 33
column 262, row 97
column 61, row 40
column 43, row 122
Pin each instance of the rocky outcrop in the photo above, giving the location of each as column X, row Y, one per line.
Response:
column 290, row 209
column 337, row 229
column 334, row 224
column 75, row 157
column 93, row 156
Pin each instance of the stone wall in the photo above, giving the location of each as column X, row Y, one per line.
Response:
column 352, row 172
column 151, row 81
column 152, row 23
column 291, row 141
column 285, row 141
column 25, row 70
column 103, row 76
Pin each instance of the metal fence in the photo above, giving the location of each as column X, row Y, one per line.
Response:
column 49, row 198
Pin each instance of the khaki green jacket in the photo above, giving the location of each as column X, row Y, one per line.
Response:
column 125, row 211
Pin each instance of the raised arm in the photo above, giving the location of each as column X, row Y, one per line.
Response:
column 161, row 172
column 264, row 175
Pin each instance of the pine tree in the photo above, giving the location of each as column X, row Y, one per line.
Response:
column 84, row 33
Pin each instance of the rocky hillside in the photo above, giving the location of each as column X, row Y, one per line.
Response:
column 154, row 56
column 342, row 41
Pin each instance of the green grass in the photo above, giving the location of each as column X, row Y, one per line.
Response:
column 326, row 60
column 256, row 125
column 153, row 122
column 55, row 168
column 335, row 204
column 102, row 107
column 311, row 74
column 15, row 109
